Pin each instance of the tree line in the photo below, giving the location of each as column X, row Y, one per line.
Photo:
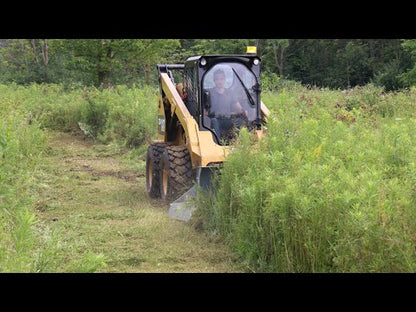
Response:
column 332, row 63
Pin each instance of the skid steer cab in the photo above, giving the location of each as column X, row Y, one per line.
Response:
column 203, row 104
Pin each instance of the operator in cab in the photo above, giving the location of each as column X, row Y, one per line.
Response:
column 225, row 111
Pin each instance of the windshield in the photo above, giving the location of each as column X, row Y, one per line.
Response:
column 229, row 94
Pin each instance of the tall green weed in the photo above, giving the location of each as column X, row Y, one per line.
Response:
column 132, row 115
column 21, row 146
column 27, row 245
column 331, row 188
column 126, row 115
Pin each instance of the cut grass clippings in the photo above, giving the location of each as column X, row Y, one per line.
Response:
column 107, row 223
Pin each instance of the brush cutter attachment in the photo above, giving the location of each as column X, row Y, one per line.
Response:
column 182, row 208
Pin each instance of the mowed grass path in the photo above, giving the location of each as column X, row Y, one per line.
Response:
column 97, row 202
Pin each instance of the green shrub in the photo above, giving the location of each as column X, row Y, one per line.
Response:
column 132, row 116
column 272, row 82
column 94, row 113
column 127, row 115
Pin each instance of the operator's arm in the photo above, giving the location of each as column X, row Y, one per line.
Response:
column 235, row 105
column 238, row 109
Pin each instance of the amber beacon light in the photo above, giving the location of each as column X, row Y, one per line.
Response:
column 251, row 50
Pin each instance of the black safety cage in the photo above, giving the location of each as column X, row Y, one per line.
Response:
column 192, row 73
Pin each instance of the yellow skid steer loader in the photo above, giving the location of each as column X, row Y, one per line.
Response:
column 202, row 105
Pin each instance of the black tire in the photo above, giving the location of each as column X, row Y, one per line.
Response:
column 154, row 152
column 176, row 174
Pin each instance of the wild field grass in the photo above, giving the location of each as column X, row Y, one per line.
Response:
column 96, row 199
column 27, row 244
column 123, row 114
column 22, row 144
column 331, row 188
column 78, row 203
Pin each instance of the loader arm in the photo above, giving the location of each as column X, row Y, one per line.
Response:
column 200, row 144
column 265, row 111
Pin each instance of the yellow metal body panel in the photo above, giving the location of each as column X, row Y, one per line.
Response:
column 264, row 111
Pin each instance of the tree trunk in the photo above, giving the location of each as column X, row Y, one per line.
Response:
column 372, row 52
column 104, row 59
column 101, row 71
column 33, row 46
column 276, row 60
column 147, row 70
column 44, row 51
column 45, row 56
column 282, row 55
column 102, row 74
column 279, row 56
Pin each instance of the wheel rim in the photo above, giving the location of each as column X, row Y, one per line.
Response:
column 164, row 181
column 149, row 173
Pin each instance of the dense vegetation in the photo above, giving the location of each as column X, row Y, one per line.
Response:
column 122, row 115
column 331, row 188
column 334, row 63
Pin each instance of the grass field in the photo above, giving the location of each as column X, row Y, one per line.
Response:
column 96, row 199
column 71, row 202
column 331, row 188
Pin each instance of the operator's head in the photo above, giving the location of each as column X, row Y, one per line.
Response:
column 219, row 78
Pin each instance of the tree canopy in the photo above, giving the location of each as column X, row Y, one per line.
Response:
column 332, row 63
